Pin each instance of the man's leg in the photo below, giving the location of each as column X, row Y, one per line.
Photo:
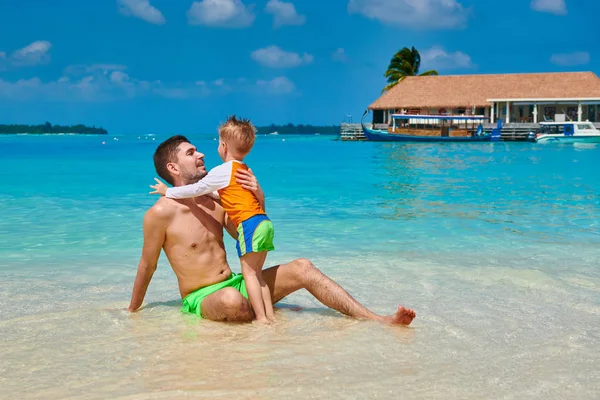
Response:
column 227, row 304
column 302, row 274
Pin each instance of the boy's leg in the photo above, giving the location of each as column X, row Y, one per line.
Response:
column 302, row 274
column 258, row 291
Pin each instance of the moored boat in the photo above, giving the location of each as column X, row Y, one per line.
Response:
column 566, row 132
column 432, row 128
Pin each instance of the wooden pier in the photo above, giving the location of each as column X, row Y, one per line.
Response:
column 513, row 131
column 352, row 132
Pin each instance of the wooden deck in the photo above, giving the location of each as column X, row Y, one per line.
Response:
column 352, row 132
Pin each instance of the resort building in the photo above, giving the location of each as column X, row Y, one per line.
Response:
column 514, row 98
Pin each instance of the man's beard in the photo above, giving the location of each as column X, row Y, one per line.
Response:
column 194, row 177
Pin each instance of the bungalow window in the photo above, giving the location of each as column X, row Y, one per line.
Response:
column 378, row 117
column 549, row 112
column 592, row 112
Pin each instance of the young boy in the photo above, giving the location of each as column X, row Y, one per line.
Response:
column 255, row 229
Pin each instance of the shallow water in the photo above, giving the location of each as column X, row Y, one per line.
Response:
column 494, row 245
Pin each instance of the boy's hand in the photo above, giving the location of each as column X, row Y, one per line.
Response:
column 159, row 188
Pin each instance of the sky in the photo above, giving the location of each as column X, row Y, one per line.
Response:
column 181, row 66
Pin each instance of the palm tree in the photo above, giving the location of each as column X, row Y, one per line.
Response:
column 405, row 63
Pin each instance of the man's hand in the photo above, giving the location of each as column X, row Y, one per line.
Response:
column 246, row 179
column 159, row 188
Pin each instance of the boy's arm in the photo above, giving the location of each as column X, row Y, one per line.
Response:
column 218, row 178
column 155, row 224
column 248, row 181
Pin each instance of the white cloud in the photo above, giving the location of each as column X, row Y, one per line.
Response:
column 180, row 92
column 93, row 84
column 571, row 59
column 339, row 55
column 119, row 77
column 141, row 9
column 33, row 54
column 284, row 13
column 85, row 69
column 221, row 13
column 274, row 57
column 438, row 58
column 417, row 14
column 558, row 7
column 279, row 85
column 100, row 82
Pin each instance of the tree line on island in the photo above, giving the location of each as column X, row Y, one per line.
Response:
column 48, row 128
column 298, row 129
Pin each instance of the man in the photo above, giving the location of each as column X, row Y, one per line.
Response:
column 190, row 231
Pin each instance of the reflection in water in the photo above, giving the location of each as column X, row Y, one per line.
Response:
column 503, row 192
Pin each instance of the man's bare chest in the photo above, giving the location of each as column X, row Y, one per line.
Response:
column 196, row 224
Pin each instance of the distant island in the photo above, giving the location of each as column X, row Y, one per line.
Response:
column 299, row 129
column 48, row 128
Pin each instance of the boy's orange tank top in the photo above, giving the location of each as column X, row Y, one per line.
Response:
column 239, row 203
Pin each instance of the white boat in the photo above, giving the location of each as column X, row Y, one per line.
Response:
column 566, row 132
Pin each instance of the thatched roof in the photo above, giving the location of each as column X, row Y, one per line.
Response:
column 476, row 90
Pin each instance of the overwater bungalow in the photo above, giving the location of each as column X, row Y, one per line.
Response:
column 515, row 98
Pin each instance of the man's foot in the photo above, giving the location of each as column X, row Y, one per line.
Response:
column 262, row 321
column 403, row 316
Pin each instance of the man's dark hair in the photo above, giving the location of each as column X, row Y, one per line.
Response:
column 165, row 153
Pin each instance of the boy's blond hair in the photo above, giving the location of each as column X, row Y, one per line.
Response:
column 238, row 133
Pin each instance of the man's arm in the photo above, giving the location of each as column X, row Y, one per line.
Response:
column 218, row 178
column 155, row 226
column 230, row 226
column 248, row 181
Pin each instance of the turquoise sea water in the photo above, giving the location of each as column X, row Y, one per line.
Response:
column 495, row 246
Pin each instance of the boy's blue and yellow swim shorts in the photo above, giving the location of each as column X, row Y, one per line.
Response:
column 255, row 234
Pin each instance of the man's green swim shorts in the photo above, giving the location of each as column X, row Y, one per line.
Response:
column 192, row 303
